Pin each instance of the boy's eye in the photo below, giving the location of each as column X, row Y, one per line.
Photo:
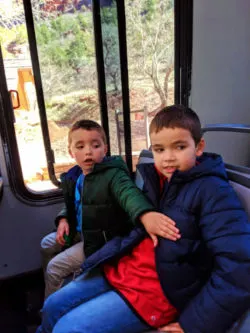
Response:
column 96, row 145
column 158, row 150
column 180, row 147
column 79, row 147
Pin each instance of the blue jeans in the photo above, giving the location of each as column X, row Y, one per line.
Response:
column 88, row 304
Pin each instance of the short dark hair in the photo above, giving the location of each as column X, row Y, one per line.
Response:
column 177, row 116
column 88, row 125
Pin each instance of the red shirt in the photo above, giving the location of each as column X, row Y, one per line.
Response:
column 135, row 277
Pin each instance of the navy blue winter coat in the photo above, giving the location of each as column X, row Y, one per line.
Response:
column 205, row 274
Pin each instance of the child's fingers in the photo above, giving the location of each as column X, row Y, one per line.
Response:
column 169, row 223
column 169, row 228
column 60, row 240
column 167, row 219
column 59, row 236
column 154, row 239
column 169, row 233
column 169, row 329
column 175, row 327
column 165, row 232
column 169, row 236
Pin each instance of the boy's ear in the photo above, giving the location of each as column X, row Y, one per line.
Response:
column 106, row 149
column 70, row 152
column 200, row 147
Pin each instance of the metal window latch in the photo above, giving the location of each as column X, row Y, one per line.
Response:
column 104, row 235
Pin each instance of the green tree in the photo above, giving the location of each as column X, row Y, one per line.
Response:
column 111, row 47
column 12, row 39
column 66, row 41
column 150, row 34
column 66, row 53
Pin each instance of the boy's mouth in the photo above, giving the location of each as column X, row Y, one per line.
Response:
column 88, row 160
column 169, row 169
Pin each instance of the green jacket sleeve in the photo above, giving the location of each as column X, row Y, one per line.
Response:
column 129, row 197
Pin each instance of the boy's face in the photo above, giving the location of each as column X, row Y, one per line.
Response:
column 87, row 148
column 175, row 149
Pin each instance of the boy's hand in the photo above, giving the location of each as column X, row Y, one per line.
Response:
column 63, row 228
column 158, row 224
column 174, row 327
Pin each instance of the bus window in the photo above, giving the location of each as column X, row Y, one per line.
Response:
column 19, row 78
column 111, row 62
column 66, row 59
column 116, row 62
column 150, row 40
column 65, row 42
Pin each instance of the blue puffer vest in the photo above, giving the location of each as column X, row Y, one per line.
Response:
column 205, row 274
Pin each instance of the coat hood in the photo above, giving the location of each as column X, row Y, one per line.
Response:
column 208, row 164
column 107, row 163
column 110, row 162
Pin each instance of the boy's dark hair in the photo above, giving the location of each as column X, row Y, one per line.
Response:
column 88, row 125
column 177, row 116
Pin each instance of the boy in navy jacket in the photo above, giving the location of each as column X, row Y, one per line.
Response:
column 201, row 281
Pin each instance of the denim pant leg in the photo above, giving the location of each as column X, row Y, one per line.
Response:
column 75, row 293
column 106, row 313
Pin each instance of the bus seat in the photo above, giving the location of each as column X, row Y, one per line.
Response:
column 145, row 156
column 243, row 193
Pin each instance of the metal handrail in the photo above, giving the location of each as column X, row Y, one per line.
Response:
column 226, row 128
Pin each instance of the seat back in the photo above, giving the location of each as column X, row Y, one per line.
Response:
column 243, row 193
column 145, row 156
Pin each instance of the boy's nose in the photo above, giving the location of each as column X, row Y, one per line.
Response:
column 168, row 156
column 88, row 151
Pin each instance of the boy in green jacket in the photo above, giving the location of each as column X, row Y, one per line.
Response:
column 101, row 202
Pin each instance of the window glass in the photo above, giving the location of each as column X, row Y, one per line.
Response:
column 150, row 43
column 65, row 42
column 19, row 76
column 111, row 59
